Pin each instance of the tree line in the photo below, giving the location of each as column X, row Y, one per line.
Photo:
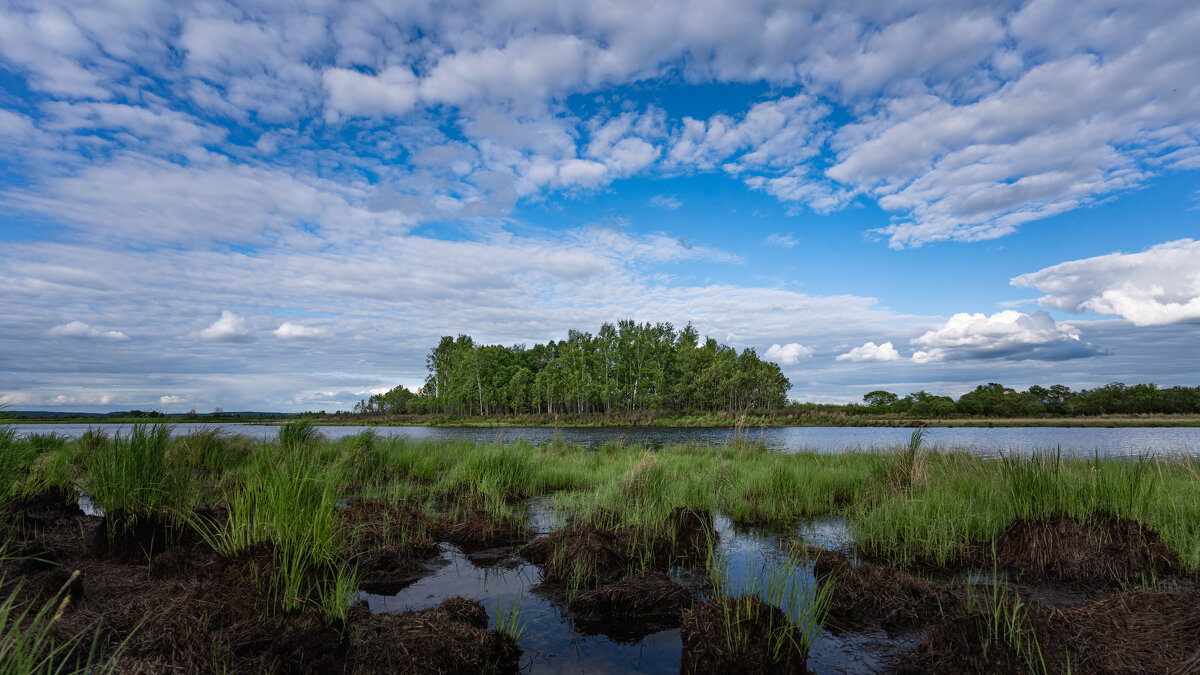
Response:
column 996, row 400
column 624, row 367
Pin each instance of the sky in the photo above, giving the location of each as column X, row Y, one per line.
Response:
column 283, row 205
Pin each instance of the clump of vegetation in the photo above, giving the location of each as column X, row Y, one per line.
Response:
column 131, row 479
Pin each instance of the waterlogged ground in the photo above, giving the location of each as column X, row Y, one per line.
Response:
column 553, row 642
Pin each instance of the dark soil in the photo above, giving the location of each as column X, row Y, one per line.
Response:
column 596, row 556
column 1101, row 551
column 475, row 529
column 1132, row 632
column 450, row 638
column 188, row 609
column 874, row 595
column 706, row 649
column 629, row 610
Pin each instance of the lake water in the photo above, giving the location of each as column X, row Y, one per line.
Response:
column 1126, row 441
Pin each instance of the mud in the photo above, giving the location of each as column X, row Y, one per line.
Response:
column 870, row 595
column 1101, row 551
column 706, row 650
column 592, row 555
column 184, row 608
column 478, row 529
column 1131, row 632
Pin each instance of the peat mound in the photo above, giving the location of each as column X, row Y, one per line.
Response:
column 450, row 638
column 379, row 524
column 45, row 509
column 136, row 541
column 1129, row 632
column 386, row 570
column 1103, row 550
column 870, row 594
column 630, row 609
column 588, row 555
column 685, row 534
column 477, row 528
column 757, row 629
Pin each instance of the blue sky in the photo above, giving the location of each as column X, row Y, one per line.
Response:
column 282, row 205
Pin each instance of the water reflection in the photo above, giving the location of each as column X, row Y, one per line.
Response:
column 987, row 442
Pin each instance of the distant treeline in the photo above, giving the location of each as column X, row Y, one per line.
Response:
column 623, row 368
column 996, row 400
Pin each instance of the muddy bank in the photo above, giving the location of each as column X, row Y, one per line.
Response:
column 1100, row 551
column 1145, row 632
column 874, row 595
column 185, row 608
column 739, row 635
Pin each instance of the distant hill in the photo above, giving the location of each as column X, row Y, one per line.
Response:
column 126, row 414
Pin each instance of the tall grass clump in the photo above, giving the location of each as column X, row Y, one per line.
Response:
column 298, row 434
column 131, row 480
column 16, row 458
column 207, row 448
column 784, row 584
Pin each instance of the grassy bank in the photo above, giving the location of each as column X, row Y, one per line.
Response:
column 304, row 519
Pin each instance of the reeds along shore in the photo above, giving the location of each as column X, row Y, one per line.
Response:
column 299, row 524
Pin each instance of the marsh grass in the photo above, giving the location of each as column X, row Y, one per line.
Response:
column 1004, row 620
column 786, row 584
column 131, row 479
column 512, row 621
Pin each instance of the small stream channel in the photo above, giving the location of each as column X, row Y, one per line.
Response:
column 553, row 642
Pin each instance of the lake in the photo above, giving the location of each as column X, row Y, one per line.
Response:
column 1124, row 441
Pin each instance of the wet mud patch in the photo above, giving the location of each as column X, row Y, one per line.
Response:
column 757, row 645
column 1101, row 551
column 874, row 595
column 478, row 529
column 452, row 637
column 1137, row 631
column 627, row 610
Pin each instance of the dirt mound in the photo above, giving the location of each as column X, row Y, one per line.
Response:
column 1143, row 631
column 387, row 571
column 580, row 553
column 757, row 630
column 450, row 638
column 645, row 594
column 477, row 528
column 135, row 542
column 876, row 595
column 39, row 512
column 685, row 534
column 1103, row 550
column 378, row 524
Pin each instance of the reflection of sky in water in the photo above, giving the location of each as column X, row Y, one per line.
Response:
column 988, row 442
column 552, row 643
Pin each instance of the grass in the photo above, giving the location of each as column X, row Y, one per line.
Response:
column 904, row 505
column 131, row 479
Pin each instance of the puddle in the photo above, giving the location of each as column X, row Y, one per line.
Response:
column 553, row 642
column 89, row 507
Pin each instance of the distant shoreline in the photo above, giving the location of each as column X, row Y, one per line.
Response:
column 699, row 422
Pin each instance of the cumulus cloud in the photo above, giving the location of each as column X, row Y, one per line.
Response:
column 789, row 354
column 288, row 331
column 1010, row 335
column 171, row 399
column 229, row 328
column 79, row 329
column 1160, row 285
column 870, row 351
column 390, row 93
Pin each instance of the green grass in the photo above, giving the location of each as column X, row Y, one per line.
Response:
column 132, row 480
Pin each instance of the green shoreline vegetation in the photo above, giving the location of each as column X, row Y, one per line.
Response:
column 907, row 507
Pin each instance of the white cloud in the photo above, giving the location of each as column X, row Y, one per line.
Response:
column 669, row 202
column 870, row 351
column 229, row 328
column 789, row 354
column 288, row 330
column 1008, row 334
column 171, row 399
column 390, row 93
column 1160, row 285
column 782, row 240
column 79, row 329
